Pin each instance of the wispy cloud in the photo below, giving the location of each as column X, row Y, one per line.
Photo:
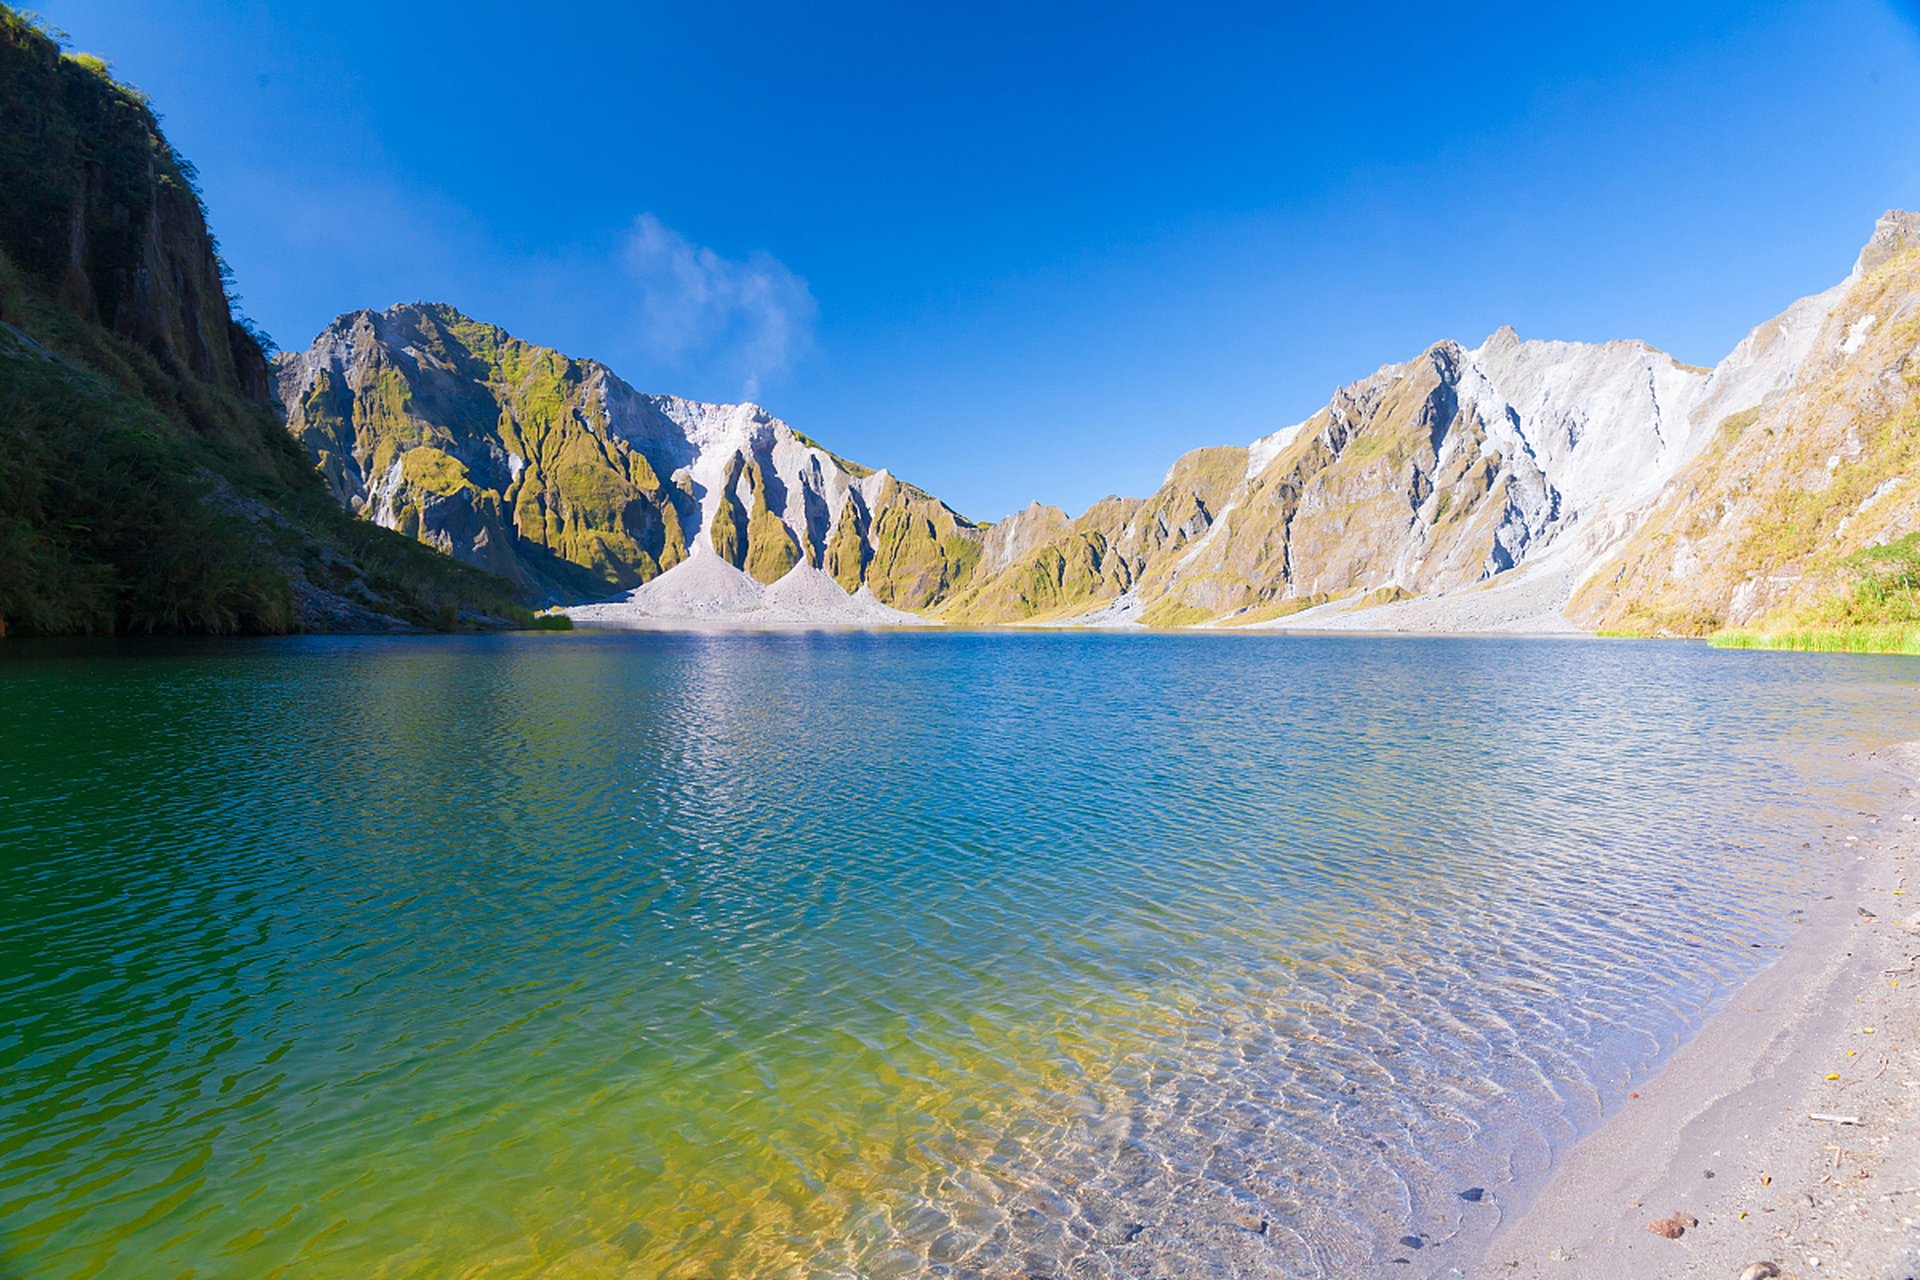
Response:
column 667, row 314
column 696, row 305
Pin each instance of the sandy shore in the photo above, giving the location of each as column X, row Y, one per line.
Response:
column 1735, row 1131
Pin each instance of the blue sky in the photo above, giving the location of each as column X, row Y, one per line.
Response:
column 1031, row 251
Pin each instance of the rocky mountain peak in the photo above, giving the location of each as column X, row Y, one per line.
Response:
column 554, row 473
column 1500, row 340
column 1895, row 233
column 1021, row 534
column 1432, row 475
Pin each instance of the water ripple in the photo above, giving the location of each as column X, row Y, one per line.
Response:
column 866, row 955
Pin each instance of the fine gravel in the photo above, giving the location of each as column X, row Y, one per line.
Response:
column 1783, row 1135
column 704, row 592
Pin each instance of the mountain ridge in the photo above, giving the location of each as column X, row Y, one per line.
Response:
column 1768, row 525
column 1538, row 458
column 1459, row 470
column 151, row 487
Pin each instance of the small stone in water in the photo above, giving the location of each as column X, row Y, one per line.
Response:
column 1412, row 1242
column 1475, row 1194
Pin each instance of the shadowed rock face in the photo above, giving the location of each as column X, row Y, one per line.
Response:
column 99, row 213
column 490, row 449
column 147, row 483
column 554, row 472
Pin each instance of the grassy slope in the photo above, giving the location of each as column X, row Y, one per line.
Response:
column 1328, row 517
column 587, row 515
column 1880, row 615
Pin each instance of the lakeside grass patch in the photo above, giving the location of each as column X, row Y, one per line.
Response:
column 1880, row 615
column 1896, row 638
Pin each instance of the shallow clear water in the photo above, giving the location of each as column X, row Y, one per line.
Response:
column 866, row 955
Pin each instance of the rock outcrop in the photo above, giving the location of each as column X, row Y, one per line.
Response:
column 555, row 473
column 103, row 216
column 1446, row 470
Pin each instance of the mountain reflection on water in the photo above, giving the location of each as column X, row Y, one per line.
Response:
column 866, row 954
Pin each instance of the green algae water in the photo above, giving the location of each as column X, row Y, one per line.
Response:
column 867, row 955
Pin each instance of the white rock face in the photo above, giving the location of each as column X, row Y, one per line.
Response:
column 1578, row 443
column 701, row 452
column 1768, row 359
column 699, row 442
column 1021, row 534
column 1268, row 447
column 1545, row 458
column 1588, row 435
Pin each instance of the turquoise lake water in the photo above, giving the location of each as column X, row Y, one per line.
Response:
column 874, row 955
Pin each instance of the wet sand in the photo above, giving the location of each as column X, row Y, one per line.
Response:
column 1737, row 1131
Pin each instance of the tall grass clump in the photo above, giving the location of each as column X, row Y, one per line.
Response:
column 1880, row 615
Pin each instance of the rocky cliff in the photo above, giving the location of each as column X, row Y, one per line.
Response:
column 100, row 216
column 1675, row 498
column 554, row 472
column 1769, row 521
column 145, row 482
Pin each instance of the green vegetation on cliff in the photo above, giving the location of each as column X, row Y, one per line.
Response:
column 506, row 458
column 846, row 559
column 771, row 547
column 145, row 483
column 108, row 522
column 921, row 552
column 548, row 470
column 1794, row 527
column 1119, row 545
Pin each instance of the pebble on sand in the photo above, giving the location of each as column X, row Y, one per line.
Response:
column 1673, row 1226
